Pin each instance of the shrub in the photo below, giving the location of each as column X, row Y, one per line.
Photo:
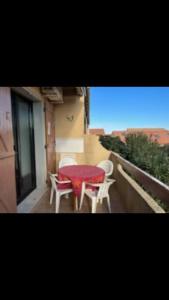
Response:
column 114, row 144
column 166, row 149
column 148, row 155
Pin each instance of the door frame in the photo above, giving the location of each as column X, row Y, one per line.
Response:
column 49, row 108
column 15, row 133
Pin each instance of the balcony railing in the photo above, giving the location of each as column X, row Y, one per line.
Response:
column 139, row 192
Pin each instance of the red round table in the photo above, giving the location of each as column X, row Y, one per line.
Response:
column 78, row 174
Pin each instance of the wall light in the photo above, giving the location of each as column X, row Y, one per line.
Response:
column 70, row 118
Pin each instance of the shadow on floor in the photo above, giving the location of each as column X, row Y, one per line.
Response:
column 67, row 205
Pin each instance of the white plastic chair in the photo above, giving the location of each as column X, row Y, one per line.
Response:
column 58, row 193
column 107, row 166
column 97, row 195
column 67, row 161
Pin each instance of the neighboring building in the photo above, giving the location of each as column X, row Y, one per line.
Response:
column 38, row 125
column 97, row 131
column 120, row 134
column 158, row 135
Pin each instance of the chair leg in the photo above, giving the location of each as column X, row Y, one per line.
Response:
column 76, row 203
column 94, row 204
column 51, row 195
column 82, row 197
column 108, row 203
column 81, row 202
column 67, row 196
column 57, row 202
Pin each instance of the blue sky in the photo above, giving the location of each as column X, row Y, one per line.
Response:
column 118, row 108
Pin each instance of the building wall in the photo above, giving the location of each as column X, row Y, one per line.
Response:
column 71, row 130
column 75, row 131
column 72, row 106
column 94, row 151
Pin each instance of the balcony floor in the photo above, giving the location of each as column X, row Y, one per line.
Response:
column 66, row 205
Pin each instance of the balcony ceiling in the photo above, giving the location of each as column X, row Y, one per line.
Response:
column 72, row 91
column 56, row 94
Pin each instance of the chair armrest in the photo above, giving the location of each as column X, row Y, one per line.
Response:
column 58, row 181
column 51, row 174
column 94, row 184
column 110, row 180
column 56, row 175
column 62, row 182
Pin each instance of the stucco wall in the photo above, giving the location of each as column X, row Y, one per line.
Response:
column 72, row 106
column 69, row 124
column 94, row 151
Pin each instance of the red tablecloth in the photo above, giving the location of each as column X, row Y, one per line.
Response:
column 78, row 174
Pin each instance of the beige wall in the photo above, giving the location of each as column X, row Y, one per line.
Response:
column 94, row 151
column 75, row 106
column 72, row 106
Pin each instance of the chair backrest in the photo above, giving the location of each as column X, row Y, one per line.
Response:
column 53, row 181
column 67, row 161
column 107, row 166
column 104, row 189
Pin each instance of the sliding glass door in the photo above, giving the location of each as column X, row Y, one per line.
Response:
column 24, row 146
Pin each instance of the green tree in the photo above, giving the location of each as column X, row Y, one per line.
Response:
column 148, row 155
column 141, row 151
column 166, row 148
column 113, row 144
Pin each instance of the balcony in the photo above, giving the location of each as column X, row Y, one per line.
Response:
column 133, row 192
